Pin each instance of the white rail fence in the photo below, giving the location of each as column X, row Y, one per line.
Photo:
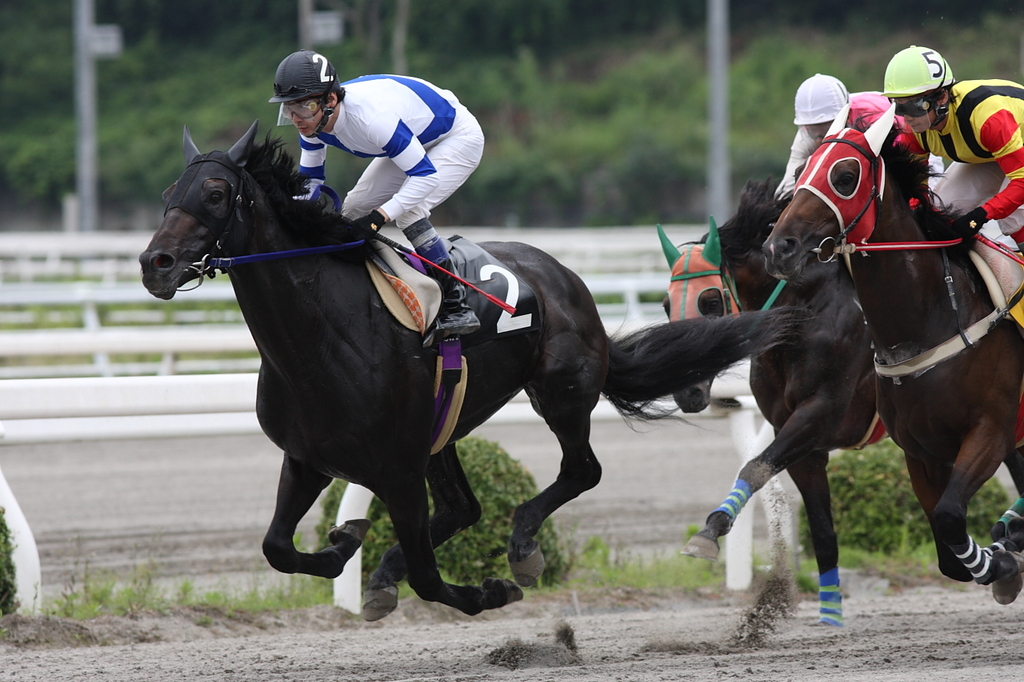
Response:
column 24, row 303
column 101, row 408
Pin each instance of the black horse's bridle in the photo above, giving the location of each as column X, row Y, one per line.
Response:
column 188, row 198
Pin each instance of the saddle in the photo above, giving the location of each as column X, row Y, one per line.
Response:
column 414, row 299
column 1004, row 278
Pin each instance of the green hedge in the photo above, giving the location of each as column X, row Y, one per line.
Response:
column 874, row 507
column 500, row 484
column 8, row 586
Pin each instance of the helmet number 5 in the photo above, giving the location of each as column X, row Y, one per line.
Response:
column 929, row 58
column 317, row 57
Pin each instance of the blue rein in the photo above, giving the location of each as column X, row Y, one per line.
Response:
column 223, row 263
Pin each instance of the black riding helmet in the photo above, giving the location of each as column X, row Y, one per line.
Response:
column 306, row 74
column 303, row 74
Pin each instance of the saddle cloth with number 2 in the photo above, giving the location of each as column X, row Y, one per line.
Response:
column 414, row 298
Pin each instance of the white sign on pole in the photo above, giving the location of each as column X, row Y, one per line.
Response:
column 326, row 28
column 106, row 41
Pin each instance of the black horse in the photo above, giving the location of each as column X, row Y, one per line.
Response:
column 348, row 392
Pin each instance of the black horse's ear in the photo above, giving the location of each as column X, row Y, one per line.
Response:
column 189, row 147
column 167, row 192
column 239, row 153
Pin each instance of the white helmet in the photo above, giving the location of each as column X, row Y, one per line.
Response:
column 819, row 99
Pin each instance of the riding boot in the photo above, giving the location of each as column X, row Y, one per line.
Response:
column 456, row 317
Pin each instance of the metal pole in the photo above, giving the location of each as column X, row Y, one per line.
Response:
column 718, row 170
column 305, row 18
column 85, row 117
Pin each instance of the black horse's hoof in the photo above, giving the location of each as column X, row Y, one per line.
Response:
column 500, row 592
column 379, row 603
column 1005, row 590
column 527, row 571
column 353, row 528
column 702, row 547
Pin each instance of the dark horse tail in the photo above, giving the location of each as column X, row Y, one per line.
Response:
column 655, row 362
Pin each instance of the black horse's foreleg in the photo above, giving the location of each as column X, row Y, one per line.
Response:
column 811, row 479
column 297, row 490
column 407, row 505
column 455, row 509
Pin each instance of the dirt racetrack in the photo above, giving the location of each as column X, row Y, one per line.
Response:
column 198, row 507
column 934, row 634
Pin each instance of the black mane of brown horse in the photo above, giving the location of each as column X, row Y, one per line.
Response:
column 347, row 392
column 955, row 421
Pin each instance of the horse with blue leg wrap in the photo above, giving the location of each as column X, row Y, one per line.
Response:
column 813, row 407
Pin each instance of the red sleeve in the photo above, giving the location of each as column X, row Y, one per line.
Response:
column 1007, row 201
column 998, row 130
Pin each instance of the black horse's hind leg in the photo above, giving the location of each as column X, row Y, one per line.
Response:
column 567, row 413
column 811, row 479
column 297, row 490
column 455, row 509
column 407, row 505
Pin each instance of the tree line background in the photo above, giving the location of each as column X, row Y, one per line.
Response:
column 594, row 110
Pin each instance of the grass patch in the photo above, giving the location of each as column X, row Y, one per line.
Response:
column 99, row 593
column 594, row 567
column 598, row 566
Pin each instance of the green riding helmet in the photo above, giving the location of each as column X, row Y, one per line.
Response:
column 914, row 71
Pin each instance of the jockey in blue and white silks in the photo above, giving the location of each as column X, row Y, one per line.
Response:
column 423, row 143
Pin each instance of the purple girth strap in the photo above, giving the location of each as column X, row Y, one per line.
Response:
column 450, row 351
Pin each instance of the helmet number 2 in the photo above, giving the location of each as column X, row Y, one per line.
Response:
column 317, row 57
column 935, row 67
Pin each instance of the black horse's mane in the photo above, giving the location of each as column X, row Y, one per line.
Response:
column 748, row 228
column 277, row 174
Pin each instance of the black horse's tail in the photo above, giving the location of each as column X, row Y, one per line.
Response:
column 655, row 362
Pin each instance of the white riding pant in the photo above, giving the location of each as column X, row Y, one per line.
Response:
column 965, row 186
column 455, row 156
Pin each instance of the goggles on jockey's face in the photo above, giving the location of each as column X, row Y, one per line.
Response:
column 915, row 108
column 304, row 110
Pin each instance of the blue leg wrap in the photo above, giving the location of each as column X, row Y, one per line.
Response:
column 830, row 598
column 736, row 499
